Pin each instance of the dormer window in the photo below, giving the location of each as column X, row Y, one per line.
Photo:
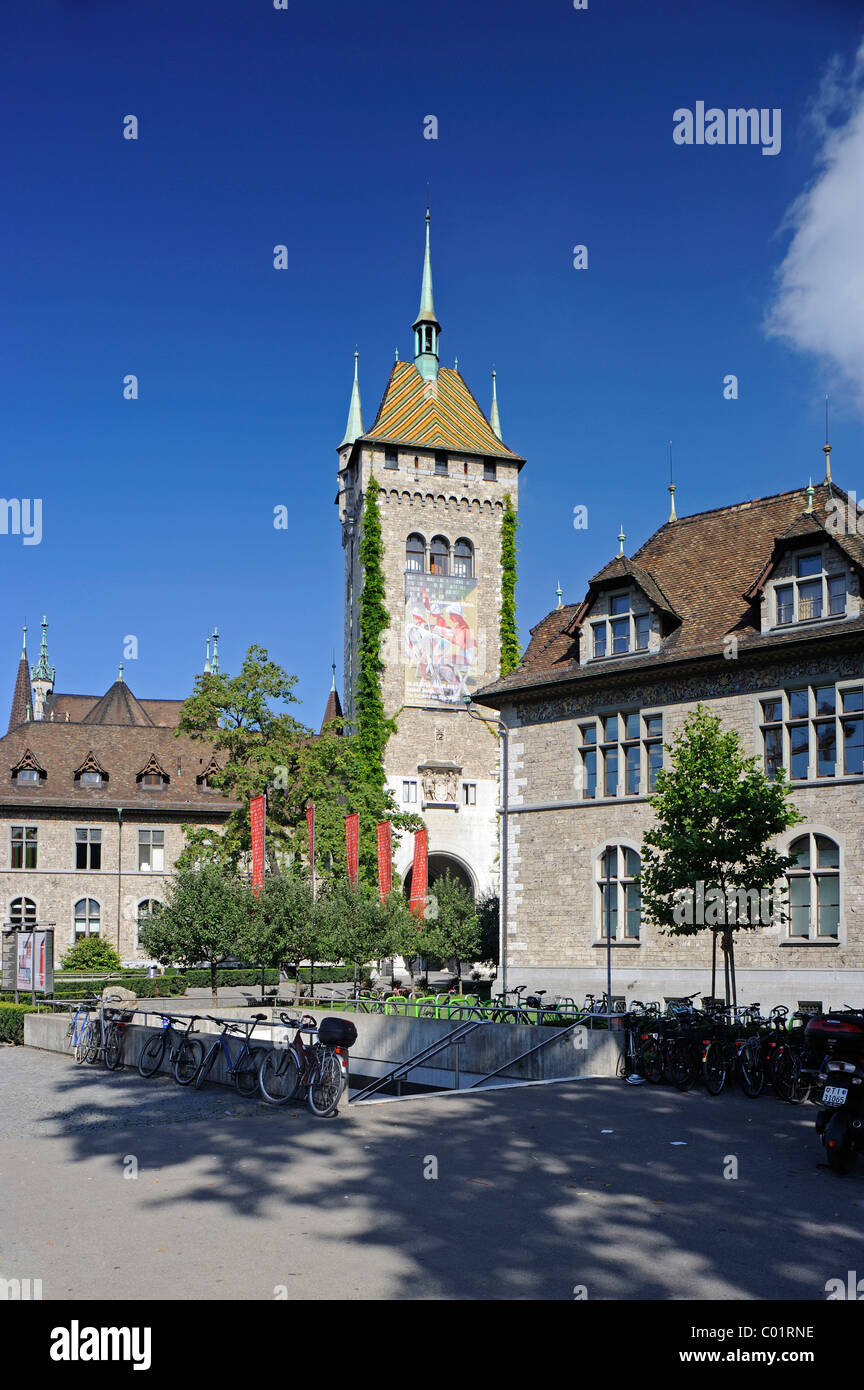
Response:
column 90, row 779
column 622, row 631
column 91, row 773
column 152, row 774
column 28, row 772
column 811, row 594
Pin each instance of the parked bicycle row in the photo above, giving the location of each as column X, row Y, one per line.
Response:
column 513, row 1006
column 311, row 1066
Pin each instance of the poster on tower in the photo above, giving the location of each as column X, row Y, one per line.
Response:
column 441, row 655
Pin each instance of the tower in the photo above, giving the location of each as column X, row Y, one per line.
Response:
column 443, row 472
column 43, row 677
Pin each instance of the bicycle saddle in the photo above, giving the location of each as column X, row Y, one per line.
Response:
column 259, row 1018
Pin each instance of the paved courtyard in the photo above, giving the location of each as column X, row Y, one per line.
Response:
column 533, row 1197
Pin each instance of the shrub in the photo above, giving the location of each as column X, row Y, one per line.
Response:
column 12, row 1021
column 91, row 953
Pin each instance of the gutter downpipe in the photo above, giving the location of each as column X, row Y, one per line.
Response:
column 119, row 810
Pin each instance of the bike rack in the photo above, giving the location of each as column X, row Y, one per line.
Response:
column 456, row 1035
column 554, row 1036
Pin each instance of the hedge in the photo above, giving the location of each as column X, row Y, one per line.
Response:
column 12, row 1021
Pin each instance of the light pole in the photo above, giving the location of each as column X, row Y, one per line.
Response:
column 505, row 805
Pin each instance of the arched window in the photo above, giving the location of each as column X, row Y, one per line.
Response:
column 87, row 917
column 814, row 888
column 22, row 912
column 415, row 554
column 463, row 559
column 439, row 555
column 620, row 902
column 146, row 909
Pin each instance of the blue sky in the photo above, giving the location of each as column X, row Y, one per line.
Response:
column 305, row 127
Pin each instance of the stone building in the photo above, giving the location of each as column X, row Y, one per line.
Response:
column 756, row 610
column 444, row 473
column 94, row 793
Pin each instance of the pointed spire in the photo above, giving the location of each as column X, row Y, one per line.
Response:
column 120, row 673
column 559, row 591
column 214, row 665
column 494, row 418
column 826, row 447
column 333, row 682
column 207, row 656
column 354, row 426
column 672, row 513
column 621, row 539
column 24, row 641
column 21, row 695
column 427, row 329
column 810, row 491
column 42, row 671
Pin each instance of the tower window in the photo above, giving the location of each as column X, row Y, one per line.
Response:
column 391, row 458
column 439, row 555
column 441, row 463
column 88, row 849
column 469, row 793
column 22, row 912
column 409, row 791
column 87, row 917
column 463, row 559
column 490, row 472
column 415, row 554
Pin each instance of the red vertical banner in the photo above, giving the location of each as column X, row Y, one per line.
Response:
column 258, row 817
column 385, row 860
column 418, row 874
column 352, row 835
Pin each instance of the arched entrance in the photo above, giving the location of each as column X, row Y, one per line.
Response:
column 438, row 866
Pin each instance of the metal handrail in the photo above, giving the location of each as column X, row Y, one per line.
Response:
column 402, row 1068
column 554, row 1035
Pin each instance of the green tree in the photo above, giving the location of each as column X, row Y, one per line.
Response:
column 360, row 928
column 716, row 812
column 511, row 652
column 201, row 922
column 455, row 926
column 91, row 953
column 488, row 910
column 285, row 926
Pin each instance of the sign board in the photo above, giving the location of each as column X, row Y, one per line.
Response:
column 28, row 961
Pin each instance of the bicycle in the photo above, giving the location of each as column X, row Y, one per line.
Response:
column 242, row 1069
column 185, row 1053
column 77, row 1027
column 103, row 1036
column 278, row 1073
column 316, row 1070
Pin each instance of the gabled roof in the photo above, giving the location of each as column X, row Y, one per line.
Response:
column 439, row 414
column 117, row 706
column 91, row 764
column 30, row 762
column 620, row 570
column 153, row 765
column 807, row 527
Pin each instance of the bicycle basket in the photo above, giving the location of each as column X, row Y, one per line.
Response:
column 337, row 1032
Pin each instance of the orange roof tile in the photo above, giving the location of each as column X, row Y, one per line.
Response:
column 436, row 415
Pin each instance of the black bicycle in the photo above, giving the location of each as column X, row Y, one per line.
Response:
column 185, row 1053
column 242, row 1069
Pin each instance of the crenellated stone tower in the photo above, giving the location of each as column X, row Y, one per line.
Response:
column 444, row 473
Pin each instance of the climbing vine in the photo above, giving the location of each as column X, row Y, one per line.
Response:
column 373, row 728
column 510, row 650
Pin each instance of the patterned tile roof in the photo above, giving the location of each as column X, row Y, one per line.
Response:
column 435, row 415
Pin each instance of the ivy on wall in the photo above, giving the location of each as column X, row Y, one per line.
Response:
column 510, row 649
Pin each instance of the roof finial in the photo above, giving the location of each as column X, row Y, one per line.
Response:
column 207, row 656
column 826, row 447
column 397, row 354
column 24, row 641
column 621, row 539
column 354, row 426
column 215, row 663
column 494, row 417
column 810, row 491
column 559, row 591
column 672, row 514
column 120, row 672
column 426, row 326
column 333, row 681
column 42, row 671
column 455, row 364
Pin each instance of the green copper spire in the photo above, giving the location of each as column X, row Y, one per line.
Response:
column 214, row 666
column 355, row 413
column 427, row 329
column 207, row 657
column 494, row 419
column 42, row 671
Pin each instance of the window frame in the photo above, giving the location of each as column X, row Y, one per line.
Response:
column 620, row 882
column 813, row 874
column 26, row 919
column 88, row 844
column 421, row 553
column 610, row 623
column 150, row 831
column 596, row 760
column 792, row 583
column 28, row 841
column 785, row 731
column 88, row 918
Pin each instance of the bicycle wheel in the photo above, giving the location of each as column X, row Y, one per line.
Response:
column 204, row 1069
column 94, row 1034
column 279, row 1076
column 786, row 1077
column 327, row 1083
column 649, row 1061
column 151, row 1054
column 751, row 1069
column 246, row 1075
column 506, row 1016
column 113, row 1047
column 187, row 1061
column 714, row 1068
column 683, row 1065
column 82, row 1046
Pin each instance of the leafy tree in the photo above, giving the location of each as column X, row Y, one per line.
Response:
column 488, row 910
column 511, row 652
column 360, row 928
column 716, row 811
column 285, row 926
column 201, row 922
column 91, row 953
column 455, row 928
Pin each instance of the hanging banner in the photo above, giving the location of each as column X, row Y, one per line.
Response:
column 352, row 835
column 441, row 647
column 258, row 816
column 418, row 874
column 385, row 860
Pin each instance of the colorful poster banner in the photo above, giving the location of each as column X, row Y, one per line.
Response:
column 258, row 816
column 418, row 874
column 385, row 860
column 441, row 647
column 34, row 961
column 352, row 836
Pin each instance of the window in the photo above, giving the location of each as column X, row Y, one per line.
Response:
column 624, row 752
column 463, row 559
column 622, row 631
column 151, row 851
column 415, row 554
column 152, row 774
column 409, row 791
column 90, row 779
column 441, row 464
column 27, row 775
column 391, row 458
column 814, row 732
column 146, row 909
column 469, row 793
column 88, row 849
column 490, row 472
column 620, row 902
column 87, row 917
column 811, row 594
column 814, row 889
column 439, row 555
column 22, row 912
column 24, row 846
column 151, row 779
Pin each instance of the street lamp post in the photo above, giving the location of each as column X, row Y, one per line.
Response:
column 505, row 806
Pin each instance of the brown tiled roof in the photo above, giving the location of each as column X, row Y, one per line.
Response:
column 333, row 709
column 22, row 694
column 165, row 713
column 434, row 415
column 118, row 706
column 702, row 567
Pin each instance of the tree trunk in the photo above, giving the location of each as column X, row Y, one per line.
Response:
column 214, row 986
column 297, row 983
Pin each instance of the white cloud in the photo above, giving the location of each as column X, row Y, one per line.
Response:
column 819, row 299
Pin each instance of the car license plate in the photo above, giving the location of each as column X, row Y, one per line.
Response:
column 834, row 1095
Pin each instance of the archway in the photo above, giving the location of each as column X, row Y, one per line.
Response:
column 438, row 866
